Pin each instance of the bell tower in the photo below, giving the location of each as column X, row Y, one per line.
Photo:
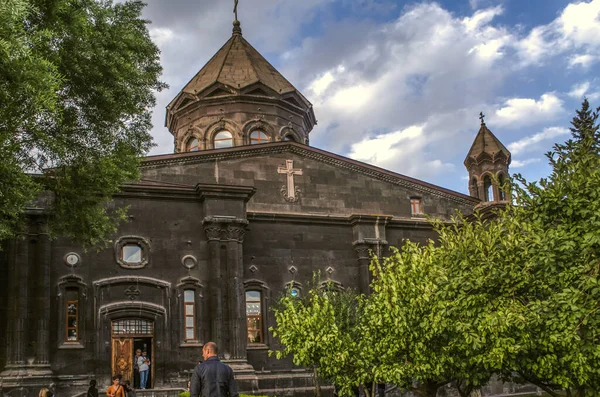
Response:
column 487, row 163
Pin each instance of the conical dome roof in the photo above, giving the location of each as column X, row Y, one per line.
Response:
column 238, row 72
column 238, row 65
column 486, row 145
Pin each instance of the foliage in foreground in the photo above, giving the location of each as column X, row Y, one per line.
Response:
column 76, row 88
column 517, row 295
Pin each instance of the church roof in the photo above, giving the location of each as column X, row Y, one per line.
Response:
column 237, row 65
column 269, row 149
column 486, row 144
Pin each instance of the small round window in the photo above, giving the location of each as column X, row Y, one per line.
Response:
column 131, row 253
column 295, row 292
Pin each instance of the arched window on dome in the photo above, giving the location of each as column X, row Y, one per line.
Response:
column 289, row 138
column 223, row 139
column 257, row 137
column 193, row 145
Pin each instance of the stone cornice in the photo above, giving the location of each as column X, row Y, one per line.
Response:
column 336, row 219
column 199, row 192
column 310, row 153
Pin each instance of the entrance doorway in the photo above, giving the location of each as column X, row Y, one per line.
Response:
column 129, row 335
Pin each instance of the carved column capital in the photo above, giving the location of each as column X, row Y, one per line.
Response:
column 235, row 233
column 224, row 228
column 363, row 247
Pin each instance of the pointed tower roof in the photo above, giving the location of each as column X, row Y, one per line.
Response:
column 486, row 145
column 238, row 65
column 239, row 72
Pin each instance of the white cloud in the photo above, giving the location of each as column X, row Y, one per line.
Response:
column 583, row 60
column 523, row 163
column 526, row 111
column 578, row 26
column 320, row 85
column 161, row 36
column 578, row 91
column 385, row 147
column 580, row 23
column 529, row 143
column 581, row 90
column 482, row 18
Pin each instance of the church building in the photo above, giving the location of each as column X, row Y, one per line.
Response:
column 243, row 211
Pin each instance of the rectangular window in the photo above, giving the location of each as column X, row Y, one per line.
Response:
column 72, row 311
column 415, row 206
column 189, row 304
column 254, row 316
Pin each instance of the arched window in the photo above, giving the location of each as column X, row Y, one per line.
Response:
column 501, row 188
column 257, row 137
column 193, row 145
column 223, row 139
column 487, row 188
column 473, row 188
column 254, row 316
column 289, row 138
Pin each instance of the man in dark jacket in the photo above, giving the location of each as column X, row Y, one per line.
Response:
column 212, row 378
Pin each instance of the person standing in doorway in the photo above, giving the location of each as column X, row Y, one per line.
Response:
column 144, row 367
column 212, row 378
column 136, row 369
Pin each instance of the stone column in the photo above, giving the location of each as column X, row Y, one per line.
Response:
column 21, row 269
column 215, row 284
column 235, row 269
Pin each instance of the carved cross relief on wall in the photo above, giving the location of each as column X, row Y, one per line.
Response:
column 290, row 192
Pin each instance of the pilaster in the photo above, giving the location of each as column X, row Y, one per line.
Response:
column 225, row 226
column 369, row 239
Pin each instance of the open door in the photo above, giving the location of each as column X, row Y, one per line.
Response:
column 122, row 358
column 128, row 335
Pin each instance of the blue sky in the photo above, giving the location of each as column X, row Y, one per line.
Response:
column 400, row 84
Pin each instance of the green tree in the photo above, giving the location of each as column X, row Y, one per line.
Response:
column 321, row 330
column 562, row 347
column 77, row 82
column 524, row 286
column 410, row 326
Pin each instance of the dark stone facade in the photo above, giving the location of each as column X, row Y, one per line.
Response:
column 228, row 209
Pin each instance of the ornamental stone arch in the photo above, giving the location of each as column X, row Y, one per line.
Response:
column 289, row 131
column 222, row 125
column 183, row 140
column 257, row 124
column 487, row 186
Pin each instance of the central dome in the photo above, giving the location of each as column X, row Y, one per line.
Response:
column 238, row 87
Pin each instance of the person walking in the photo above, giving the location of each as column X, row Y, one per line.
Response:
column 144, row 367
column 212, row 378
column 116, row 389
